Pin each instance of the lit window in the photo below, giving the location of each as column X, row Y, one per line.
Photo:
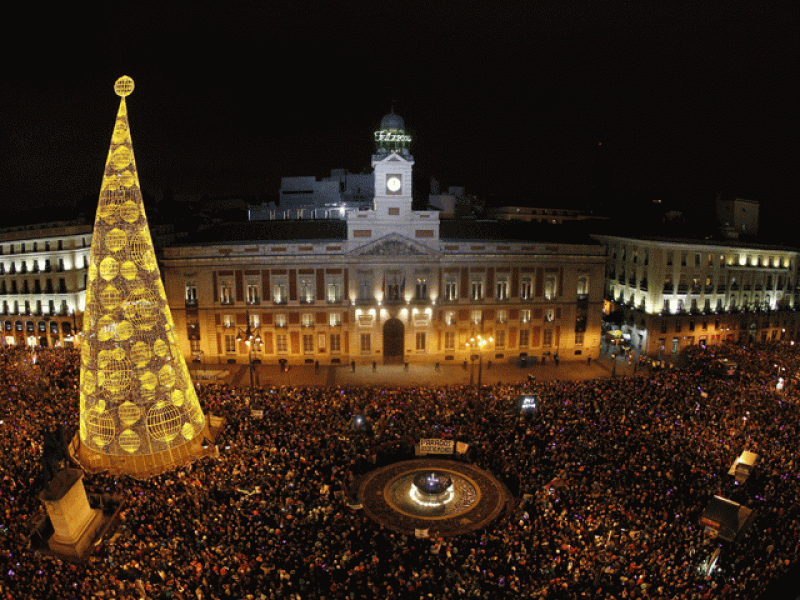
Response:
column 280, row 320
column 307, row 319
column 583, row 285
column 420, row 341
column 366, row 343
column 226, row 293
column 449, row 340
column 191, row 292
column 281, row 344
column 525, row 316
column 336, row 343
column 421, row 290
column 279, row 295
column 306, row 290
column 253, row 292
column 502, row 289
column 335, row 319
column 450, row 317
column 476, row 290
column 450, row 289
column 550, row 287
column 334, row 292
column 365, row 289
column 525, row 288
column 500, row 338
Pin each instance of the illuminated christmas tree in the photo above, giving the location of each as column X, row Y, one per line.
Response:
column 139, row 412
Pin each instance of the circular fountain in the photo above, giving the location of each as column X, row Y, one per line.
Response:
column 432, row 489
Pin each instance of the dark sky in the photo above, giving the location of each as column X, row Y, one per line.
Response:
column 506, row 98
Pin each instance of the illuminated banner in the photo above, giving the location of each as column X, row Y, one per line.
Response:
column 385, row 135
column 436, row 446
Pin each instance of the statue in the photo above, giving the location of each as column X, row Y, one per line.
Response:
column 54, row 454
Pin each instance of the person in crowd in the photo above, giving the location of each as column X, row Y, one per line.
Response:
column 613, row 475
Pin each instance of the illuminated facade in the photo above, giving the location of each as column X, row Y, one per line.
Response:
column 43, row 272
column 387, row 284
column 139, row 413
column 677, row 293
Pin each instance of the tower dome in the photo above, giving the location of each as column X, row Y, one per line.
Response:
column 393, row 121
column 391, row 138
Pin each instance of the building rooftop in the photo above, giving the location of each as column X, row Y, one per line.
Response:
column 336, row 230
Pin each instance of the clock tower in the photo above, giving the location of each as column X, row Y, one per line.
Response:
column 392, row 164
column 392, row 219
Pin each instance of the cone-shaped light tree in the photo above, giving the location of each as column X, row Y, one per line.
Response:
column 139, row 412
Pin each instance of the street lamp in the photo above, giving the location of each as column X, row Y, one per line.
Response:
column 479, row 342
column 252, row 337
column 75, row 332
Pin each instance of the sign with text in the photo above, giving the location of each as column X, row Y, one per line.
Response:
column 436, row 446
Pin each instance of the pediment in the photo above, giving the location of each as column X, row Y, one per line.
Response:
column 393, row 158
column 393, row 244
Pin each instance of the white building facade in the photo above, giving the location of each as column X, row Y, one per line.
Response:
column 684, row 292
column 43, row 282
column 387, row 284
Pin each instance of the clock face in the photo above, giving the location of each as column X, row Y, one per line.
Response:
column 393, row 183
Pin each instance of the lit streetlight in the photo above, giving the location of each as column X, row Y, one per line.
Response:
column 252, row 337
column 479, row 342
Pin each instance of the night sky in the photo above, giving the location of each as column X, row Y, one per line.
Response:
column 509, row 100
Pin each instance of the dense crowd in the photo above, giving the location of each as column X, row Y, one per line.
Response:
column 611, row 477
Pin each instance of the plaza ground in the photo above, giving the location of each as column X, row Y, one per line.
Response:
column 267, row 375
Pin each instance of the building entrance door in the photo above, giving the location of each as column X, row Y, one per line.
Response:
column 393, row 345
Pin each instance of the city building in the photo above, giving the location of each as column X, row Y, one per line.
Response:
column 681, row 292
column 43, row 271
column 386, row 284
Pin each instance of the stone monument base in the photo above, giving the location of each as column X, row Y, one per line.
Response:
column 71, row 527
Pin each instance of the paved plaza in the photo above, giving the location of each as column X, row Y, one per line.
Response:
column 397, row 375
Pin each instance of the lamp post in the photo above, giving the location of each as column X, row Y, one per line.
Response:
column 479, row 342
column 75, row 331
column 252, row 337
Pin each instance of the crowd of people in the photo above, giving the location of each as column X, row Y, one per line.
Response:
column 610, row 478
